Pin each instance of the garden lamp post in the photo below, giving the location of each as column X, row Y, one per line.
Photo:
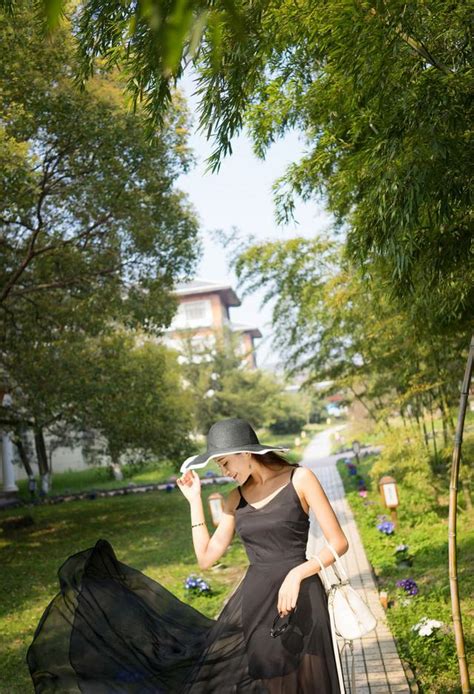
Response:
column 216, row 505
column 389, row 492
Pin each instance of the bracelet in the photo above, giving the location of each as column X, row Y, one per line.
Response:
column 196, row 524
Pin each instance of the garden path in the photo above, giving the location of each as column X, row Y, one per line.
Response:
column 377, row 664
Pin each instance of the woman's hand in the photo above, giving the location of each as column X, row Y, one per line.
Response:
column 288, row 593
column 190, row 485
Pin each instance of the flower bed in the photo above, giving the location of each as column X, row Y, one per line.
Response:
column 410, row 562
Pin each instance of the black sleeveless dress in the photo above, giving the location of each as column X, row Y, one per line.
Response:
column 113, row 630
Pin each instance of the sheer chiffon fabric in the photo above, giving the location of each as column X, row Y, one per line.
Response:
column 113, row 630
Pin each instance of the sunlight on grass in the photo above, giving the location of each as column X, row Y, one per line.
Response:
column 149, row 532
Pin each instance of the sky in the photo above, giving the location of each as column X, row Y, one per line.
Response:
column 240, row 195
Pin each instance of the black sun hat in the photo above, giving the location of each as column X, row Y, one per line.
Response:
column 225, row 437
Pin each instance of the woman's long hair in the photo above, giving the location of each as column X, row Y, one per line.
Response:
column 273, row 460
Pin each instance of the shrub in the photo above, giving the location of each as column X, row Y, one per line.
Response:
column 409, row 463
column 291, row 424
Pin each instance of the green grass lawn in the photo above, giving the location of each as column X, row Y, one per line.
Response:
column 150, row 532
column 99, row 478
column 432, row 658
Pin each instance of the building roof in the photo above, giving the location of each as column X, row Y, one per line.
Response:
column 242, row 328
column 199, row 286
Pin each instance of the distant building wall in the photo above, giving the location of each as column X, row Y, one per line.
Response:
column 63, row 459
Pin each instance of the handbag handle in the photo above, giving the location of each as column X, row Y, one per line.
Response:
column 337, row 568
column 326, row 582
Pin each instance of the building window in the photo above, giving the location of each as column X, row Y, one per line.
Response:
column 193, row 314
column 196, row 310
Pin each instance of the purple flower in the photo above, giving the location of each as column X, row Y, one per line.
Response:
column 203, row 586
column 408, row 585
column 196, row 584
column 386, row 527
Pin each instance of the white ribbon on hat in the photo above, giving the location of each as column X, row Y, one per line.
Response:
column 184, row 467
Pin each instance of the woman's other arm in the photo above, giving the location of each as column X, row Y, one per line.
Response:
column 309, row 487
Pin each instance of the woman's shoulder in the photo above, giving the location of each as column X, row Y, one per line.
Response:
column 302, row 474
column 232, row 500
column 305, row 481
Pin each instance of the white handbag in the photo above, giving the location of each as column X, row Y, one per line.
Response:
column 350, row 617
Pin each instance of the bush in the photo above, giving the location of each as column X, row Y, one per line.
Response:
column 408, row 461
column 292, row 424
column 412, row 563
column 466, row 471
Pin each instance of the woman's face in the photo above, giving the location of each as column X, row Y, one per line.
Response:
column 234, row 465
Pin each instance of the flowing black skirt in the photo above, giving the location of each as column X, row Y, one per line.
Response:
column 113, row 630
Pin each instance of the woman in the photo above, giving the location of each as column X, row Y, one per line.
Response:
column 112, row 629
column 269, row 509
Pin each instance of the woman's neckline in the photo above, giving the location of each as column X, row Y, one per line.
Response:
column 276, row 493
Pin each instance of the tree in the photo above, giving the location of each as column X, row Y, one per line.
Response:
column 221, row 385
column 134, row 399
column 381, row 91
column 332, row 324
column 93, row 232
column 92, row 227
column 291, row 413
column 123, row 392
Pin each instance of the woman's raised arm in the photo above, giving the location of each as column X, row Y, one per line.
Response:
column 208, row 549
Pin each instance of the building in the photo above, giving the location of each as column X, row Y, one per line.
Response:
column 204, row 313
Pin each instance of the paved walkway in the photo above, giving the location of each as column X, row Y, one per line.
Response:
column 377, row 664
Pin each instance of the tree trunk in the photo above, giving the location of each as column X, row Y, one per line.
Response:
column 452, row 549
column 405, row 425
column 41, row 454
column 384, row 418
column 449, row 419
column 114, row 468
column 22, row 452
column 444, row 419
column 435, row 448
column 421, row 425
column 425, row 431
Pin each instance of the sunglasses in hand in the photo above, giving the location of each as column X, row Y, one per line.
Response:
column 278, row 630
